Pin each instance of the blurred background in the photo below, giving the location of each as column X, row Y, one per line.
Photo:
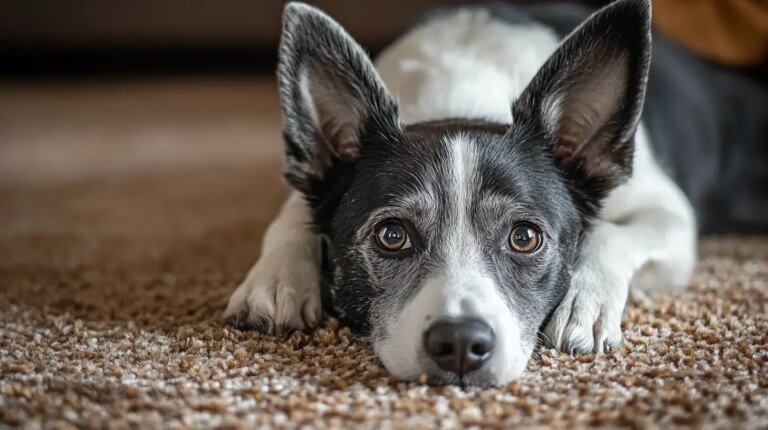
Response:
column 89, row 36
column 101, row 89
column 91, row 75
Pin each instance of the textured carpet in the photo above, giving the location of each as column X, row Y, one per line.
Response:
column 130, row 210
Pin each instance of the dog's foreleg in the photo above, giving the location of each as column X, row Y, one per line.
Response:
column 282, row 291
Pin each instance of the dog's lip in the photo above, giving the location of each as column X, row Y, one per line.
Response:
column 476, row 379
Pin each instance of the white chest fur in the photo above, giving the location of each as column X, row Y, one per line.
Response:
column 464, row 65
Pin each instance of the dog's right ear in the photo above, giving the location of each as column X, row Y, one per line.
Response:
column 330, row 93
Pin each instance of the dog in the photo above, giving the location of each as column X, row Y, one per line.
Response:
column 498, row 180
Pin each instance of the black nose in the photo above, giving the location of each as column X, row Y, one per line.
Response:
column 459, row 345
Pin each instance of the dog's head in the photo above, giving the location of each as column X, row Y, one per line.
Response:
column 452, row 241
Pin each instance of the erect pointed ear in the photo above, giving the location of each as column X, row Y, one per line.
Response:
column 588, row 97
column 330, row 95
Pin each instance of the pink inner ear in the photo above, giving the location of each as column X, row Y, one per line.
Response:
column 339, row 133
column 344, row 141
column 588, row 107
column 337, row 118
column 577, row 128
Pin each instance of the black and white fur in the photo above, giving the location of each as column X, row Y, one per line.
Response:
column 480, row 118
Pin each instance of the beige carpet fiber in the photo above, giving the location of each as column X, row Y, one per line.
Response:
column 130, row 210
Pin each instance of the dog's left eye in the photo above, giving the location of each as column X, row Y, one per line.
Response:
column 392, row 236
column 524, row 238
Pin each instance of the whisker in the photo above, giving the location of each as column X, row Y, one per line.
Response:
column 548, row 340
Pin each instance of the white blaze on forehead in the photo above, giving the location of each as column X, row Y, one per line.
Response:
column 460, row 288
column 461, row 244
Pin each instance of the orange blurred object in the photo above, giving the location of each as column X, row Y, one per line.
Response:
column 732, row 32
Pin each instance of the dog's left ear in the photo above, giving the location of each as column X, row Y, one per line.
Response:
column 588, row 98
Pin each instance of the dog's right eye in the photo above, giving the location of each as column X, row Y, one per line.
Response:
column 392, row 236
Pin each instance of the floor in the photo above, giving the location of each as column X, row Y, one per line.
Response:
column 130, row 209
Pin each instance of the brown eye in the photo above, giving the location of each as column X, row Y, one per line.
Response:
column 392, row 236
column 524, row 238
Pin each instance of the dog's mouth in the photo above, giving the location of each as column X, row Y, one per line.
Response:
column 477, row 379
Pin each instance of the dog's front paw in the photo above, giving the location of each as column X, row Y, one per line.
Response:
column 588, row 319
column 280, row 294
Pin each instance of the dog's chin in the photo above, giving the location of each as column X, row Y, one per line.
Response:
column 498, row 373
column 480, row 379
